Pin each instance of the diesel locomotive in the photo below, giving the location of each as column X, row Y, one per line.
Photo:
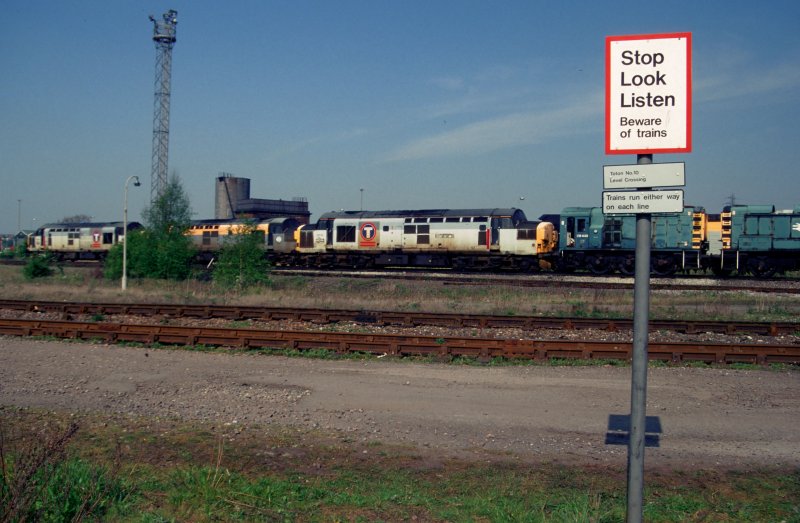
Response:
column 78, row 241
column 759, row 240
column 465, row 239
column 742, row 239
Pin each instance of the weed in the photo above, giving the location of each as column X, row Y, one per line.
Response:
column 427, row 296
column 40, row 481
column 215, row 478
column 578, row 309
column 38, row 267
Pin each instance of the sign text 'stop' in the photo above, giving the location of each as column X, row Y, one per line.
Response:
column 648, row 94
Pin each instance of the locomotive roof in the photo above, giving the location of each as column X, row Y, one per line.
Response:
column 79, row 225
column 237, row 221
column 517, row 214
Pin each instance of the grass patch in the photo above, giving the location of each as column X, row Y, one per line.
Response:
column 396, row 295
column 160, row 470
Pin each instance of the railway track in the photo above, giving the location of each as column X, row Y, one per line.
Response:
column 408, row 319
column 561, row 281
column 393, row 344
column 543, row 280
column 482, row 349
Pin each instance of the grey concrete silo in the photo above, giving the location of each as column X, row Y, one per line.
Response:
column 227, row 195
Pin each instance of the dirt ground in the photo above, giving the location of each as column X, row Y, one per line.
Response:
column 710, row 417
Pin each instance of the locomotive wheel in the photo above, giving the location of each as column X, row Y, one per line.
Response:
column 761, row 267
column 628, row 266
column 663, row 266
column 598, row 265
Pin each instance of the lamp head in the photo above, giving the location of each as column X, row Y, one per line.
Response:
column 136, row 181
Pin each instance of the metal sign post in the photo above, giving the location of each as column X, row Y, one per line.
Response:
column 641, row 325
column 648, row 111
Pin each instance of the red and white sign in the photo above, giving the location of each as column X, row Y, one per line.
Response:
column 649, row 94
column 367, row 235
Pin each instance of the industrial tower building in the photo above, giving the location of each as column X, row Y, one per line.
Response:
column 164, row 37
column 232, row 200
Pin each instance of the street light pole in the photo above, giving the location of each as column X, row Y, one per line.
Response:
column 125, row 231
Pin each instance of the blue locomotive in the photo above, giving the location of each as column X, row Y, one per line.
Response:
column 743, row 239
column 758, row 240
column 601, row 244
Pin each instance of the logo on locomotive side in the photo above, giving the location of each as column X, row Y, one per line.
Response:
column 367, row 234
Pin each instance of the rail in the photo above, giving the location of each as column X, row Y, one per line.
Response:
column 482, row 349
column 323, row 316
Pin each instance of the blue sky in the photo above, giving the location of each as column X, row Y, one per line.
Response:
column 422, row 104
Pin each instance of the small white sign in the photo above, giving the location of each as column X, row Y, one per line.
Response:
column 641, row 202
column 649, row 93
column 644, row 175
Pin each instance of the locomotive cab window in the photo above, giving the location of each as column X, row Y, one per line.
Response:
column 108, row 238
column 306, row 239
column 346, row 233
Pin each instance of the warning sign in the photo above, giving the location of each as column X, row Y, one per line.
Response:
column 648, row 94
column 642, row 202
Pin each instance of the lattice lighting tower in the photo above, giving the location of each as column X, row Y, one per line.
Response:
column 164, row 37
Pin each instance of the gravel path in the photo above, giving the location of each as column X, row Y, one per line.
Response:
column 709, row 416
